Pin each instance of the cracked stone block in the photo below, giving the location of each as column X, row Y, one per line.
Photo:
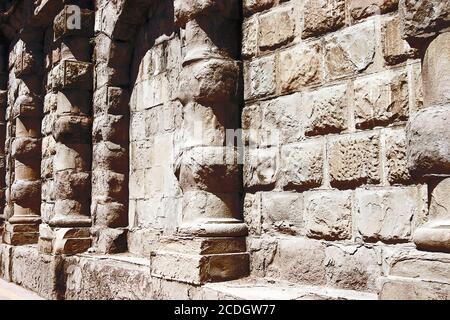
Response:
column 381, row 99
column 328, row 215
column 388, row 214
column 66, row 23
column 353, row 267
column 350, row 51
column 252, row 213
column 253, row 6
column 322, row 16
column 74, row 75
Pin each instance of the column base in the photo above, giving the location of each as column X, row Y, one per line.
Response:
column 66, row 241
column 434, row 236
column 200, row 260
column 20, row 234
column 214, row 228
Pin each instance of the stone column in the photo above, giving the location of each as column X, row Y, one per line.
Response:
column 23, row 226
column 68, row 231
column 426, row 25
column 207, row 168
column 3, row 105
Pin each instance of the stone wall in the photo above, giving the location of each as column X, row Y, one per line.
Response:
column 115, row 172
column 333, row 196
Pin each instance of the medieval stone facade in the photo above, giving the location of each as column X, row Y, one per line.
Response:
column 225, row 149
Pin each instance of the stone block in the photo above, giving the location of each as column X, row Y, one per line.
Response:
column 282, row 212
column 322, row 16
column 276, row 28
column 388, row 214
column 298, row 260
column 122, row 278
column 328, row 214
column 252, row 6
column 325, row 110
column 302, row 165
column 29, row 268
column 300, row 66
column 354, row 160
column 427, row 141
column 73, row 75
column 350, row 51
column 413, row 289
column 381, row 99
column 395, row 48
column 423, row 20
column 66, row 23
column 199, row 269
column 396, row 157
column 280, row 122
column 260, row 77
column 261, row 168
column 360, row 9
column 250, row 37
column 353, row 267
column 252, row 213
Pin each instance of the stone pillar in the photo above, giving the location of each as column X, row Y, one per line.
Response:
column 426, row 25
column 3, row 105
column 23, row 226
column 68, row 231
column 207, row 168
column 115, row 29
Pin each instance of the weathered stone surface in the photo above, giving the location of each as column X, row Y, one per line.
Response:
column 250, row 37
column 396, row 159
column 381, row 99
column 428, row 143
column 325, row 110
column 353, row 267
column 252, row 6
column 321, row 16
column 435, row 70
column 261, row 168
column 276, row 28
column 363, row 8
column 282, row 212
column 423, row 19
column 355, row 160
column 412, row 289
column 280, row 123
column 301, row 66
column 328, row 215
column 395, row 48
column 299, row 260
column 38, row 272
column 350, row 51
column 261, row 77
column 302, row 165
column 388, row 214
